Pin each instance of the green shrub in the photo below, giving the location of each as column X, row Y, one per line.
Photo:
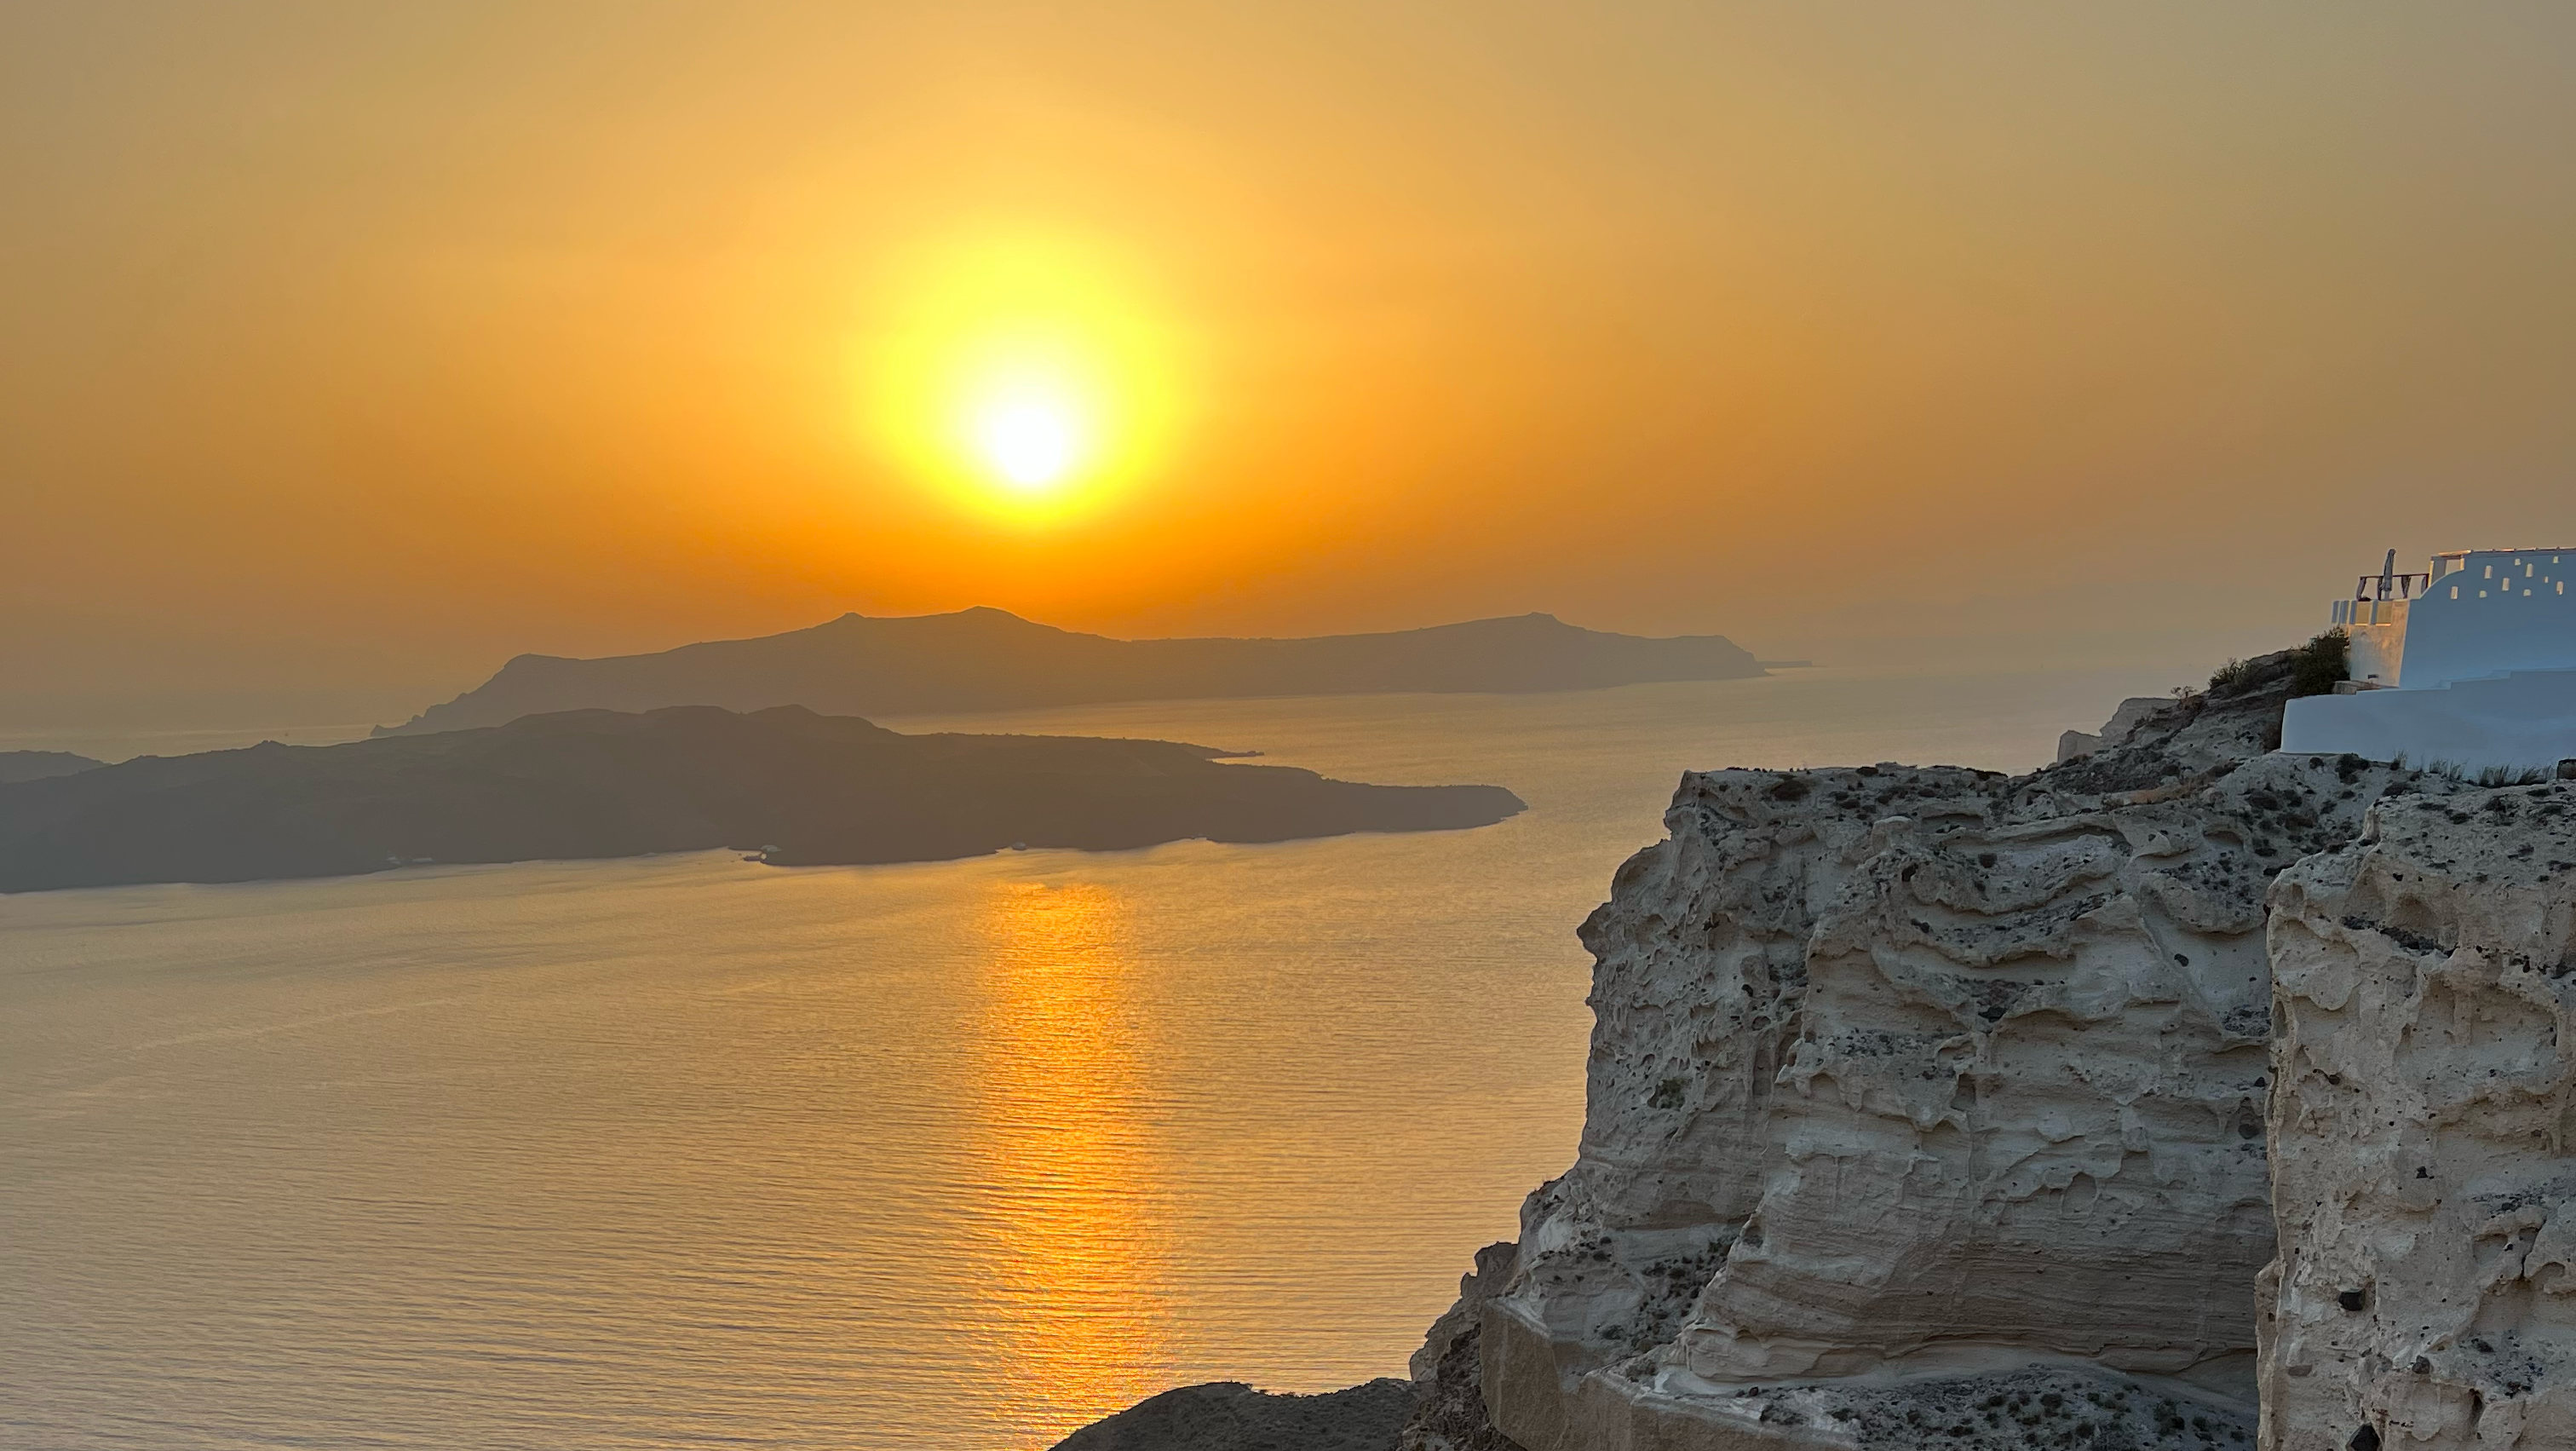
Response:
column 2317, row 666
column 2226, row 678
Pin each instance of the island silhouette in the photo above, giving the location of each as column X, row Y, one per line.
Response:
column 988, row 659
column 786, row 784
column 37, row 765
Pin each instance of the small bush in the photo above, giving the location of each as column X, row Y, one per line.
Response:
column 2513, row 775
column 2317, row 666
column 2228, row 677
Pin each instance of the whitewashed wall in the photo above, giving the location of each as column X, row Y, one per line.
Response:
column 2520, row 720
column 2491, row 611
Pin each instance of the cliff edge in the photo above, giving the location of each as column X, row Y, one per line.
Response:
column 2182, row 1095
column 1929, row 1102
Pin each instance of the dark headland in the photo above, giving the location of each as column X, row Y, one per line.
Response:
column 808, row 788
column 987, row 659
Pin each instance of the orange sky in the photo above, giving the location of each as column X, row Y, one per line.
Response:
column 356, row 348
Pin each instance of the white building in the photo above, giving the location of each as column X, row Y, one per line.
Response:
column 2471, row 662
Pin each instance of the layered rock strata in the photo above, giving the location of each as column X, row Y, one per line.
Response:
column 1929, row 1103
column 2423, row 1181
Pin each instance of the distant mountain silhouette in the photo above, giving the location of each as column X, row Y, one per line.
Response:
column 808, row 788
column 987, row 659
column 37, row 765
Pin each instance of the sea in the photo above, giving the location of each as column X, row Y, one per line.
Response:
column 689, row 1151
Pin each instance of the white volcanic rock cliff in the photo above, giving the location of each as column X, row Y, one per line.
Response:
column 2183, row 1096
column 1926, row 1106
column 2425, row 1295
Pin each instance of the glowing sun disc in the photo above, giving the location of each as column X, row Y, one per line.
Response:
column 1033, row 380
column 1033, row 443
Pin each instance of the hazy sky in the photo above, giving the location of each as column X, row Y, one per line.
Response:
column 355, row 348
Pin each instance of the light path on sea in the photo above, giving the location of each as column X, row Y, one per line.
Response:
column 689, row 1151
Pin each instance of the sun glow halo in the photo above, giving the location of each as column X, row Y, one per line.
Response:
column 1022, row 382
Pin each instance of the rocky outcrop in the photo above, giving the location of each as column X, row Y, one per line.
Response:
column 2133, row 712
column 2425, row 1190
column 1231, row 1416
column 2184, row 1095
column 1451, row 1415
column 1441, row 1409
column 1929, row 1102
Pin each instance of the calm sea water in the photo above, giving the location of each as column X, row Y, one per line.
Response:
column 689, row 1151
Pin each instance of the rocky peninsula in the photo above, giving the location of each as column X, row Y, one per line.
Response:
column 794, row 787
column 2183, row 1094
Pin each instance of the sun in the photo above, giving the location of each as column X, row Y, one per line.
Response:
column 1030, row 442
column 1024, row 381
column 1029, row 405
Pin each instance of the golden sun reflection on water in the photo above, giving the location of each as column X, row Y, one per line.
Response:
column 1081, row 1218
column 687, row 1151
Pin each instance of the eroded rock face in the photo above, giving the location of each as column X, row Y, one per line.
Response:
column 1926, row 1093
column 2425, row 1295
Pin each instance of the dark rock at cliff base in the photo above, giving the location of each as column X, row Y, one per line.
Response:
column 1231, row 1416
column 986, row 659
column 41, row 765
column 1448, row 1369
column 796, row 787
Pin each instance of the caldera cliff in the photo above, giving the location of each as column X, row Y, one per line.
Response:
column 2085, row 1108
column 1927, row 1101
